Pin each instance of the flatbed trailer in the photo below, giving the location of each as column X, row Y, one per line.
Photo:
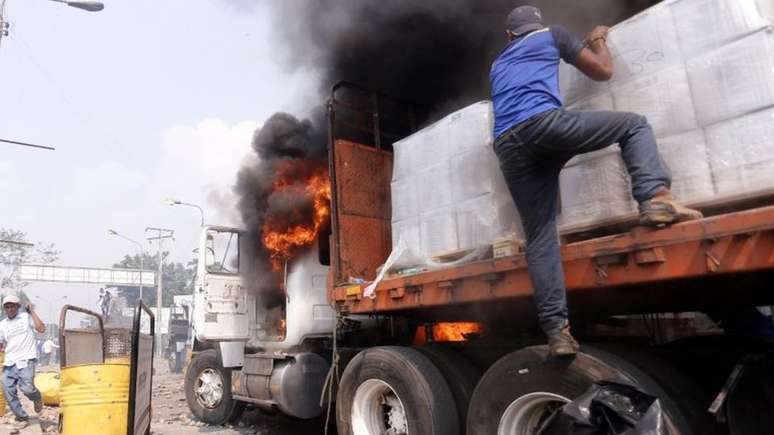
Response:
column 718, row 264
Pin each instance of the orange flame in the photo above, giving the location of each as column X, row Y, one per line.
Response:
column 448, row 331
column 282, row 242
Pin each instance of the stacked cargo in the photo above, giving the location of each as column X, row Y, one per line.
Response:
column 702, row 72
column 448, row 194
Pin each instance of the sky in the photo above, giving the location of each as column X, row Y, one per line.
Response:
column 143, row 101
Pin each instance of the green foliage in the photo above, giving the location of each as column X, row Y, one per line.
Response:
column 14, row 251
column 178, row 279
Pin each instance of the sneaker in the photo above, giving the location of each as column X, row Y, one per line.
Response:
column 38, row 405
column 561, row 343
column 663, row 209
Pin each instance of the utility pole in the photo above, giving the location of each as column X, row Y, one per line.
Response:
column 161, row 234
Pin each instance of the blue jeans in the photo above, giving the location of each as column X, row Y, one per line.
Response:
column 13, row 376
column 531, row 156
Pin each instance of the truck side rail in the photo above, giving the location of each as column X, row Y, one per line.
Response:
column 728, row 244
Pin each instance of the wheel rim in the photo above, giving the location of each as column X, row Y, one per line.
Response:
column 525, row 415
column 209, row 388
column 377, row 410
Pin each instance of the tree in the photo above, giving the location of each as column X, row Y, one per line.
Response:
column 15, row 251
column 177, row 278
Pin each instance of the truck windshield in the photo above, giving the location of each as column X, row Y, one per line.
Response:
column 222, row 252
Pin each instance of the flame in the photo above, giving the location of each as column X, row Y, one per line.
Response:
column 282, row 241
column 455, row 331
column 448, row 331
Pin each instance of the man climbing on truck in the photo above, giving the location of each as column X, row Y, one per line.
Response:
column 535, row 137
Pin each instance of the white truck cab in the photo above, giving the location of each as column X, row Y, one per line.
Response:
column 250, row 350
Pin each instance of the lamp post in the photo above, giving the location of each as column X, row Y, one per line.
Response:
column 161, row 234
column 172, row 202
column 90, row 6
column 142, row 253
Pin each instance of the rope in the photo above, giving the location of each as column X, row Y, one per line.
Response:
column 332, row 378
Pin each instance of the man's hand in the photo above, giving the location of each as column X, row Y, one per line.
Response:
column 599, row 32
column 29, row 308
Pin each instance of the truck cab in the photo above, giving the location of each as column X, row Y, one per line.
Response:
column 253, row 345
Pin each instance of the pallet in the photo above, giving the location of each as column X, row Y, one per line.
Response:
column 710, row 207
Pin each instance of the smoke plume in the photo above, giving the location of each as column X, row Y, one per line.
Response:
column 435, row 53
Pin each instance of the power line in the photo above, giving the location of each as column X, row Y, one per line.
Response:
column 27, row 144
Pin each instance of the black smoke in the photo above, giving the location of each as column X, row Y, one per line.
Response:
column 284, row 146
column 435, row 53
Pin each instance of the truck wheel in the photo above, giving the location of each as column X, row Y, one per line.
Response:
column 460, row 374
column 394, row 390
column 208, row 390
column 521, row 390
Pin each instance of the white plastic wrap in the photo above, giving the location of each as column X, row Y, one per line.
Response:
column 405, row 198
column 708, row 24
column 664, row 97
column 644, row 44
column 742, row 154
column 687, row 157
column 735, row 79
column 702, row 72
column 474, row 173
column 487, row 218
column 435, row 187
column 594, row 187
column 602, row 101
column 438, row 232
column 448, row 193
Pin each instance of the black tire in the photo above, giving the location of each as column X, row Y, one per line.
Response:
column 530, row 370
column 460, row 374
column 421, row 389
column 227, row 409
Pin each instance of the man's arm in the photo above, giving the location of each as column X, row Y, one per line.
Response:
column 36, row 322
column 594, row 60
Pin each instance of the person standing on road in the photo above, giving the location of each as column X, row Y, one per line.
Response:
column 535, row 137
column 17, row 332
column 48, row 351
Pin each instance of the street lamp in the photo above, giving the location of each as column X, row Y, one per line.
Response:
column 90, row 6
column 171, row 202
column 142, row 253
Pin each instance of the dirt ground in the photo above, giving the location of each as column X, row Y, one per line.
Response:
column 171, row 415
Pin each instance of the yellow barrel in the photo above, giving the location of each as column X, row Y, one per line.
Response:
column 48, row 384
column 2, row 394
column 94, row 399
column 118, row 360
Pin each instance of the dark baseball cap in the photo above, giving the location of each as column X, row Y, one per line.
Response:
column 524, row 19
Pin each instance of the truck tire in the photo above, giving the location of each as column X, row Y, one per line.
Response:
column 460, row 374
column 394, row 390
column 208, row 390
column 523, row 388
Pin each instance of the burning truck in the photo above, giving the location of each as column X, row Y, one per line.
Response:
column 380, row 272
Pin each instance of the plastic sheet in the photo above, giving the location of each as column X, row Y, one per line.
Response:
column 702, row 72
column 594, row 187
column 608, row 408
column 448, row 194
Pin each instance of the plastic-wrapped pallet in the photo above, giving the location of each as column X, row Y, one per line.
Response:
column 664, row 97
column 702, row 72
column 594, row 188
column 448, row 193
column 735, row 79
column 686, row 156
column 742, row 154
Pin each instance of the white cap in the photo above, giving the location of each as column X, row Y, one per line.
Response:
column 11, row 299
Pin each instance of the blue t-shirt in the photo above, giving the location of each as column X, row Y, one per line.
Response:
column 525, row 76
